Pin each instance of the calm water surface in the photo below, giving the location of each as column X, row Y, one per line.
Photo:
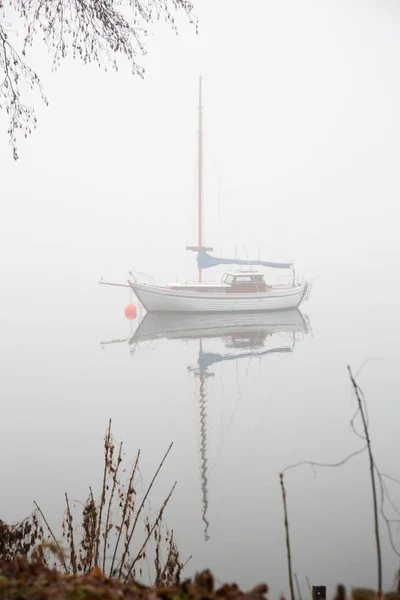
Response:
column 241, row 398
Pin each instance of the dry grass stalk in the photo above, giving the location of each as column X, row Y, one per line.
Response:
column 106, row 522
column 309, row 585
column 130, row 535
column 99, row 527
column 127, row 502
column 289, row 555
column 298, row 587
column 60, row 552
column 70, row 537
column 150, row 531
column 108, row 454
column 89, row 527
column 108, row 525
column 168, row 575
column 373, row 484
column 21, row 539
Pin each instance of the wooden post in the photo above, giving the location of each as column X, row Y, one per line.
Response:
column 319, row 592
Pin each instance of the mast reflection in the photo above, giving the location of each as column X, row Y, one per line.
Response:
column 244, row 335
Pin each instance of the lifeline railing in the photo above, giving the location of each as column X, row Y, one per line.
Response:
column 135, row 275
column 308, row 290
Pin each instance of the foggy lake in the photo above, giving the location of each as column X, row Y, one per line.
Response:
column 302, row 133
column 258, row 413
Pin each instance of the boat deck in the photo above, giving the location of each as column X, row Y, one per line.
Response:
column 221, row 287
column 197, row 284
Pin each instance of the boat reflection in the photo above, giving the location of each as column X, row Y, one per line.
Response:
column 240, row 330
column 250, row 332
column 244, row 335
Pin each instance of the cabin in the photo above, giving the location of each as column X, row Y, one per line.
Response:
column 233, row 282
column 242, row 282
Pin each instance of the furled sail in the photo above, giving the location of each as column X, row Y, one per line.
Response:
column 205, row 261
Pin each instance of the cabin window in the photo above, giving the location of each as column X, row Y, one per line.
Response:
column 245, row 279
column 255, row 279
column 232, row 279
column 228, row 278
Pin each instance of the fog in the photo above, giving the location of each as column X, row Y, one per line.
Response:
column 301, row 144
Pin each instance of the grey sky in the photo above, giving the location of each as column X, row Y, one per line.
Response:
column 301, row 122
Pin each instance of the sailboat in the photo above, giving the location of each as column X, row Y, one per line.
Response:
column 244, row 290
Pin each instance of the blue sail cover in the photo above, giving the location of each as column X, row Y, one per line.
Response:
column 205, row 261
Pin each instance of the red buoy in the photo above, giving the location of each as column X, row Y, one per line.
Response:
column 130, row 312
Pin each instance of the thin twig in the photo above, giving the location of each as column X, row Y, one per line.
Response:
column 316, row 464
column 71, row 534
column 140, row 509
column 297, row 586
column 124, row 512
column 373, row 485
column 61, row 554
column 385, row 494
column 103, row 492
column 289, row 555
column 309, row 585
column 89, row 523
column 150, row 532
column 390, row 477
column 186, row 562
column 171, row 552
column 114, row 485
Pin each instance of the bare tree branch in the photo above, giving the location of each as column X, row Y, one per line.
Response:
column 361, row 405
column 95, row 31
column 314, row 464
column 288, row 551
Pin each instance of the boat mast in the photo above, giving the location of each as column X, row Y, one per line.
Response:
column 200, row 167
column 200, row 247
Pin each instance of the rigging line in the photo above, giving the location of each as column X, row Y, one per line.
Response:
column 232, row 205
column 250, row 267
column 230, row 418
column 210, row 154
column 221, row 421
column 227, row 428
column 194, row 192
column 248, row 365
column 239, row 388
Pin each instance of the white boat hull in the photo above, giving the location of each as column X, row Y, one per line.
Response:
column 163, row 299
